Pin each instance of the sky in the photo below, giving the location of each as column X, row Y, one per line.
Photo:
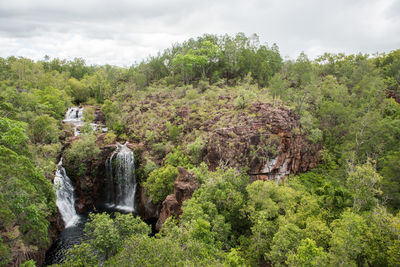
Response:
column 122, row 32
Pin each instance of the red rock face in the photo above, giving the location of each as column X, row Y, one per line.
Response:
column 184, row 186
column 268, row 141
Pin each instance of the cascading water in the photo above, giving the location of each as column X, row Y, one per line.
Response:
column 65, row 190
column 74, row 116
column 122, row 179
column 65, row 196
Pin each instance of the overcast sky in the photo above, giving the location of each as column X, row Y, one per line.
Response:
column 120, row 32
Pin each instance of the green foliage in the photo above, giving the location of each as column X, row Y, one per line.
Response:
column 81, row 153
column 149, row 167
column 5, row 254
column 110, row 138
column 30, row 197
column 160, row 183
column 391, row 179
column 81, row 256
column 177, row 158
column 362, row 182
column 112, row 115
column 174, row 132
column 244, row 98
column 348, row 240
column 78, row 91
column 308, row 254
column 30, row 263
column 13, row 135
column 220, row 203
column 45, row 130
column 88, row 113
column 105, row 237
column 195, row 150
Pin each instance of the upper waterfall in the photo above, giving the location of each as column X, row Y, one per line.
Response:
column 74, row 116
column 122, row 179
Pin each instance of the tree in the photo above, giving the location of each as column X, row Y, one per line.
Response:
column 391, row 179
column 81, row 153
column 349, row 240
column 160, row 183
column 44, row 129
column 13, row 135
column 277, row 86
column 362, row 182
column 77, row 90
column 308, row 255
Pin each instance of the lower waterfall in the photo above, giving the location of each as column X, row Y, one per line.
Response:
column 121, row 179
column 65, row 196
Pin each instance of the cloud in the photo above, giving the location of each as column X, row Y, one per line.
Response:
column 123, row 32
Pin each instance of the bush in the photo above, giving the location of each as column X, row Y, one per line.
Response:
column 81, row 153
column 194, row 150
column 160, row 183
column 44, row 129
column 110, row 138
column 177, row 158
column 174, row 132
column 149, row 167
column 88, row 114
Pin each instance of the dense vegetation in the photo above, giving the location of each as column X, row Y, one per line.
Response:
column 344, row 212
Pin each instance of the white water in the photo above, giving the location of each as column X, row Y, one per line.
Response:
column 74, row 117
column 65, row 196
column 122, row 179
column 64, row 188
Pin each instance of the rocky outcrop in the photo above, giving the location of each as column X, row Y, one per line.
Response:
column 145, row 206
column 98, row 115
column 268, row 140
column 22, row 252
column 184, row 186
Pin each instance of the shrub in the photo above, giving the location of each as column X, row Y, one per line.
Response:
column 44, row 129
column 160, row 183
column 110, row 138
column 81, row 153
column 194, row 150
column 177, row 158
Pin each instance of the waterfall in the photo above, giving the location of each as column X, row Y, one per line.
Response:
column 74, row 116
column 122, row 180
column 65, row 196
column 64, row 189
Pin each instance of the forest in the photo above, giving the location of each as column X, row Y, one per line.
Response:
column 339, row 209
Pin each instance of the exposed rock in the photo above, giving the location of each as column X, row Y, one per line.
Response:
column 268, row 140
column 184, row 186
column 145, row 206
column 393, row 94
column 90, row 188
column 21, row 252
column 98, row 115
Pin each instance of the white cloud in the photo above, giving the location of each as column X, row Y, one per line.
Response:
column 122, row 32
